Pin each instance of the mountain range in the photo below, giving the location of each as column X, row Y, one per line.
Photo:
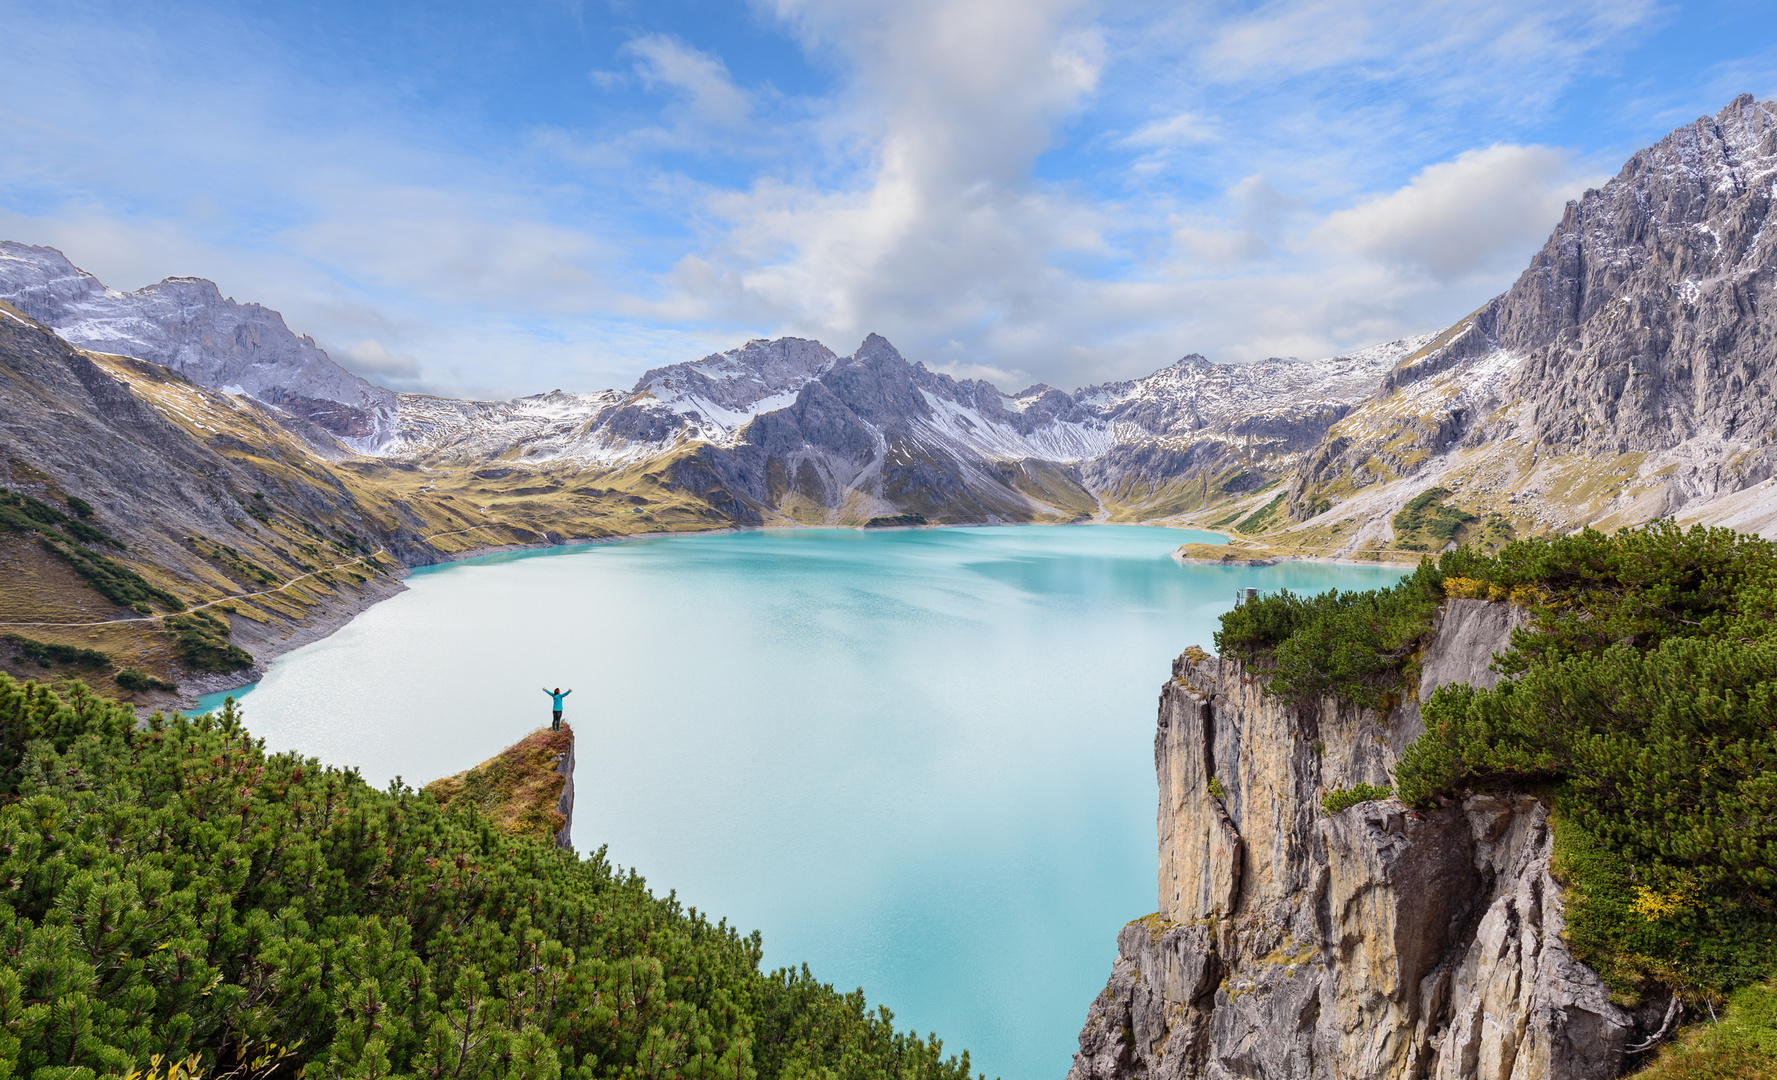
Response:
column 1627, row 374
column 789, row 430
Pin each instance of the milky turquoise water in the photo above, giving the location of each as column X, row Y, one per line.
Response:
column 921, row 761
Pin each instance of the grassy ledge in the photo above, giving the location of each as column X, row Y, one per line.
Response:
column 518, row 788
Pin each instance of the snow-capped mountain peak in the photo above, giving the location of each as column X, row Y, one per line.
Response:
column 185, row 323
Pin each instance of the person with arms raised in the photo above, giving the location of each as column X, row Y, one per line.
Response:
column 558, row 694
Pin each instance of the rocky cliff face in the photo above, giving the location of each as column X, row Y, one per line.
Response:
column 1377, row 942
column 564, row 804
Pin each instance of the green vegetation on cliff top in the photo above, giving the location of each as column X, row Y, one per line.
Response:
column 177, row 891
column 1640, row 699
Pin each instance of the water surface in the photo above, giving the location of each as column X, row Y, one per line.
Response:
column 921, row 761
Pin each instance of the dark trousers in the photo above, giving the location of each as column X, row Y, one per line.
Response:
column 557, row 725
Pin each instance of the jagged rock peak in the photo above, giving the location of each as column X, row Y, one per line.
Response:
column 1625, row 375
column 739, row 379
column 878, row 348
column 1688, row 210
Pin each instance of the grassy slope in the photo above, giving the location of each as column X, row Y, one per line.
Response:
column 297, row 559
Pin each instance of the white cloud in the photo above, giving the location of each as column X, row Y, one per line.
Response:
column 1449, row 47
column 944, row 229
column 1243, row 182
column 709, row 98
column 369, row 358
column 446, row 246
column 1178, row 130
column 949, row 240
column 1477, row 214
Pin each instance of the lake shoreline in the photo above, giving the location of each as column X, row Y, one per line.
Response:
column 338, row 617
column 1278, row 560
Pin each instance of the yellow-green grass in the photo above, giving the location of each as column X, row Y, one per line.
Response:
column 518, row 788
column 1051, row 485
column 1740, row 1045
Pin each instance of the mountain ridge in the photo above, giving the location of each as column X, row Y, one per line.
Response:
column 185, row 323
column 966, row 429
column 1625, row 375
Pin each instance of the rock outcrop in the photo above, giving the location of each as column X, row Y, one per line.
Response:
column 564, row 804
column 1376, row 942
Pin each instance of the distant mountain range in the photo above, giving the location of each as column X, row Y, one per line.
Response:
column 1627, row 374
column 790, row 429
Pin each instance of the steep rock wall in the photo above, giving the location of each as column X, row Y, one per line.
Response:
column 1377, row 942
column 565, row 805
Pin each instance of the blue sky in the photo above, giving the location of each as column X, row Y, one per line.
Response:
column 488, row 199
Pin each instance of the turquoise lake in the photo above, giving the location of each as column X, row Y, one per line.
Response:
column 920, row 761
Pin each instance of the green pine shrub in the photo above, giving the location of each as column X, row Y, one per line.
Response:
column 22, row 513
column 1344, row 798
column 1426, row 523
column 1359, row 646
column 256, row 508
column 176, row 891
column 134, row 679
column 1259, row 519
column 88, row 534
column 112, row 580
column 47, row 653
column 202, row 641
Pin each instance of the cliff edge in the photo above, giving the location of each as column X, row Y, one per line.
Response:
column 527, row 788
column 1375, row 942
